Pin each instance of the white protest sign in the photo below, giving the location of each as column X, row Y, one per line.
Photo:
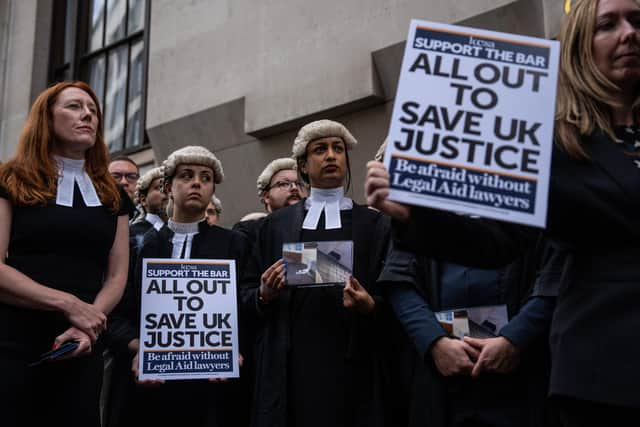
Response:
column 188, row 319
column 472, row 125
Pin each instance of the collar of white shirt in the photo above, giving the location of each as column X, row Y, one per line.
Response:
column 182, row 238
column 154, row 220
column 72, row 171
column 328, row 200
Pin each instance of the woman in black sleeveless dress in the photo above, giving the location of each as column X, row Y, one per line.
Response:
column 63, row 229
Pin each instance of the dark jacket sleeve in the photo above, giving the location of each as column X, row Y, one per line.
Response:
column 533, row 320
column 399, row 280
column 555, row 264
column 241, row 250
column 473, row 242
column 249, row 229
column 417, row 319
column 531, row 323
column 532, row 283
column 382, row 247
column 251, row 307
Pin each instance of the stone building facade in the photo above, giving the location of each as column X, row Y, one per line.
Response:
column 238, row 76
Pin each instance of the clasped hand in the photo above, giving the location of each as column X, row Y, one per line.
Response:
column 85, row 317
column 474, row 356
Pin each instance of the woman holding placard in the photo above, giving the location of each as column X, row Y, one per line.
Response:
column 63, row 239
column 190, row 177
column 593, row 219
column 317, row 348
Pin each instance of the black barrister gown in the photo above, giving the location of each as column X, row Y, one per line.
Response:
column 121, row 384
column 137, row 230
column 188, row 403
column 316, row 361
column 249, row 228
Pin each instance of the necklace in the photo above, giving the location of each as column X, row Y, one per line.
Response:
column 629, row 138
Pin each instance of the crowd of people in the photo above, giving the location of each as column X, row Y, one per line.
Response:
column 75, row 227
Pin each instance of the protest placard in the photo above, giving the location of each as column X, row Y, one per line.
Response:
column 188, row 319
column 472, row 124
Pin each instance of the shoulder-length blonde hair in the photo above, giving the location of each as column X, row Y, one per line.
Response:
column 585, row 96
column 31, row 176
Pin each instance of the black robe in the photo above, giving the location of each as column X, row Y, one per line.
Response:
column 249, row 228
column 193, row 403
column 118, row 360
column 370, row 231
column 137, row 230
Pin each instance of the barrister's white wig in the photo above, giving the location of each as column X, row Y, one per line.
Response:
column 217, row 204
column 193, row 155
column 320, row 129
column 273, row 168
column 252, row 216
column 169, row 208
column 145, row 180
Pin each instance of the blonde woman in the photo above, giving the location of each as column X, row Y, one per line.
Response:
column 593, row 219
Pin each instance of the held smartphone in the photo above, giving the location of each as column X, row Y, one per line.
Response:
column 65, row 348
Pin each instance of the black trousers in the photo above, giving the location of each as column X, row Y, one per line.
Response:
column 62, row 393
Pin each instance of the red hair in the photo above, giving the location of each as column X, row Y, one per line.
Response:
column 31, row 176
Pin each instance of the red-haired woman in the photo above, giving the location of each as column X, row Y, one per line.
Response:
column 64, row 232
